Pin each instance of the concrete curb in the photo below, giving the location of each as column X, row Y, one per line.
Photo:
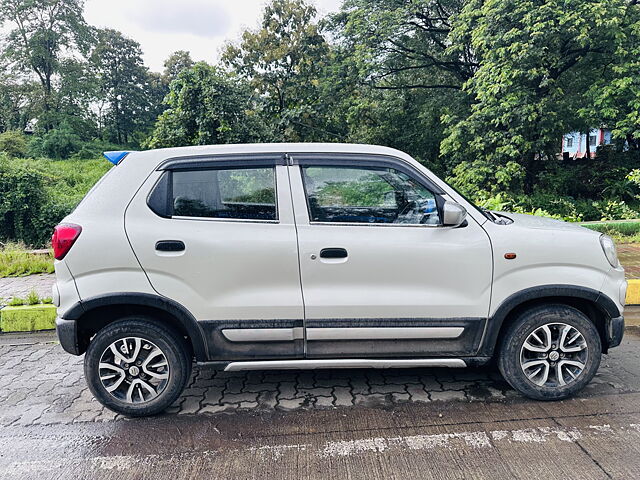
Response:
column 633, row 292
column 28, row 318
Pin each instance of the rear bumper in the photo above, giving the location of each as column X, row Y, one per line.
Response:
column 67, row 331
column 615, row 331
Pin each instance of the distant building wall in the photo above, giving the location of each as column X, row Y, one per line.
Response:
column 574, row 144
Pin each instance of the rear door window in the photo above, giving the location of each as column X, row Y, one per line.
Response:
column 224, row 193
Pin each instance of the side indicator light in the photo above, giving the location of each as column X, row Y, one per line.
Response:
column 510, row 256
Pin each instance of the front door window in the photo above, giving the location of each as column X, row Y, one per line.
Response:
column 367, row 195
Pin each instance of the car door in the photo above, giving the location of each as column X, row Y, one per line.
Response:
column 217, row 235
column 381, row 276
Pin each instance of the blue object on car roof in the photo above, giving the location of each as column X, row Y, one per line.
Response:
column 116, row 156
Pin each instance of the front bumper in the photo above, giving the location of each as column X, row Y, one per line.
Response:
column 67, row 331
column 615, row 331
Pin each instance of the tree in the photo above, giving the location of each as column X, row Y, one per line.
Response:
column 20, row 102
column 175, row 63
column 41, row 31
column 615, row 95
column 402, row 45
column 284, row 60
column 122, row 79
column 537, row 61
column 391, row 76
column 207, row 105
column 76, row 94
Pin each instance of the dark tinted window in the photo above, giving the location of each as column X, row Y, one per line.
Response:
column 367, row 195
column 243, row 193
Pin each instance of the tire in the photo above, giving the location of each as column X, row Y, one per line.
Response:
column 137, row 367
column 558, row 340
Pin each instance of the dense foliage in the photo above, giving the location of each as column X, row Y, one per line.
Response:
column 480, row 91
column 36, row 194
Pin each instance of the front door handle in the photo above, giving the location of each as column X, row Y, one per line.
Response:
column 170, row 246
column 333, row 253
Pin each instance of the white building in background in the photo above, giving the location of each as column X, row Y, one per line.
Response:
column 574, row 144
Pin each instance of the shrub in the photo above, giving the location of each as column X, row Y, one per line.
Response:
column 13, row 143
column 59, row 143
column 37, row 193
column 22, row 201
column 17, row 302
column 615, row 210
column 32, row 298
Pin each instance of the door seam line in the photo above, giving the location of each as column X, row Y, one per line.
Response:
column 295, row 226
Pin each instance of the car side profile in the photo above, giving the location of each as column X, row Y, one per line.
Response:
column 287, row 256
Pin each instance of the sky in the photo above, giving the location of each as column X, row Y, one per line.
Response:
column 201, row 27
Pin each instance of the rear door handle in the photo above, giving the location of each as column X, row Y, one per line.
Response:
column 170, row 246
column 333, row 253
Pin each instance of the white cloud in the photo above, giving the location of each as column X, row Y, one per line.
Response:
column 201, row 27
column 201, row 18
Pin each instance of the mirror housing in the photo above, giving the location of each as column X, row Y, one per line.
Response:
column 454, row 214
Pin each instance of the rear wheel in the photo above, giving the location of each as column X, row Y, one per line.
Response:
column 137, row 367
column 550, row 352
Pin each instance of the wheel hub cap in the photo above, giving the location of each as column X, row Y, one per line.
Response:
column 133, row 370
column 554, row 355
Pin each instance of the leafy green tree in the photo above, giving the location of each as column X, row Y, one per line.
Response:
column 175, row 63
column 207, row 105
column 284, row 60
column 20, row 102
column 403, row 45
column 615, row 94
column 41, row 32
column 397, row 78
column 537, row 61
column 13, row 143
column 77, row 92
column 122, row 80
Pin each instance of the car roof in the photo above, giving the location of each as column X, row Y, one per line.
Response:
column 253, row 148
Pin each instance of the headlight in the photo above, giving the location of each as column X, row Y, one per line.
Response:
column 609, row 249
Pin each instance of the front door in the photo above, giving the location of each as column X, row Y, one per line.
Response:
column 381, row 276
column 217, row 235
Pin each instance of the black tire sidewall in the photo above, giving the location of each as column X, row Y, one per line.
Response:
column 509, row 355
column 171, row 344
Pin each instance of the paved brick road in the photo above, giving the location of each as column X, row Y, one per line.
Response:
column 21, row 286
column 629, row 255
column 41, row 384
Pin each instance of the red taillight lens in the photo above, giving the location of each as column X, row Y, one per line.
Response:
column 64, row 236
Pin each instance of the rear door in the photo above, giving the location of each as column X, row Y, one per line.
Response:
column 217, row 235
column 380, row 274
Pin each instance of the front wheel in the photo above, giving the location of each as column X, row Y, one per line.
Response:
column 550, row 352
column 137, row 367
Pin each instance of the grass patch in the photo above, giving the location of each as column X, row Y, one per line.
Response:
column 32, row 299
column 621, row 232
column 16, row 261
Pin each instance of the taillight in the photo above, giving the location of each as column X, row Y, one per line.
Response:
column 64, row 236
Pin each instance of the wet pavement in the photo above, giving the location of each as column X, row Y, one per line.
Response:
column 629, row 255
column 355, row 424
column 11, row 287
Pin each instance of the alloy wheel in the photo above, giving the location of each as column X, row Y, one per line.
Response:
column 554, row 355
column 134, row 370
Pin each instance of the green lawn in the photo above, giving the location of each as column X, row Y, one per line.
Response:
column 621, row 232
column 16, row 261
